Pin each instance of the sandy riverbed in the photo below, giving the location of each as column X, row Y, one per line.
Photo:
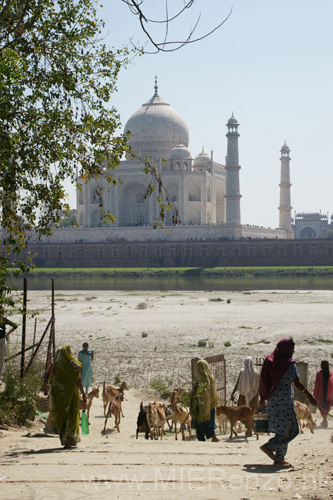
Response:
column 119, row 466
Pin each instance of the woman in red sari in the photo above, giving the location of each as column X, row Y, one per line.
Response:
column 323, row 390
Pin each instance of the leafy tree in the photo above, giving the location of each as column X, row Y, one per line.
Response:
column 56, row 78
column 68, row 219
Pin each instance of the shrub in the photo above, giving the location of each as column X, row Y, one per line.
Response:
column 141, row 305
column 117, row 379
column 202, row 343
column 162, row 387
column 228, row 301
column 227, row 344
column 144, row 334
column 19, row 397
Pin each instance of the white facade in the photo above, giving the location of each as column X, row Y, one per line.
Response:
column 206, row 193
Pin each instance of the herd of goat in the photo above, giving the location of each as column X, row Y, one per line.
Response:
column 153, row 417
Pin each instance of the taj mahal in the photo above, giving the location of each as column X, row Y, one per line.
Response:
column 205, row 192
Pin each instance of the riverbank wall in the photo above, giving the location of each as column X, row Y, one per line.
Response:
column 183, row 253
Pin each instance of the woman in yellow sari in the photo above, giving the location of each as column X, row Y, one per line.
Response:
column 65, row 383
column 204, row 402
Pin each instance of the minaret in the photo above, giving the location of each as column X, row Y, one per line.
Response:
column 232, row 167
column 285, row 203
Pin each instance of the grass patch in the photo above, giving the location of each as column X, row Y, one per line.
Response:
column 215, row 300
column 202, row 343
column 227, row 344
column 325, row 341
column 262, row 341
column 144, row 335
column 246, row 327
column 247, row 272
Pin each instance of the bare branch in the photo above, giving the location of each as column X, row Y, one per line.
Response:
column 168, row 46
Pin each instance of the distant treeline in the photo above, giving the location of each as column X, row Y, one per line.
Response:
column 175, row 272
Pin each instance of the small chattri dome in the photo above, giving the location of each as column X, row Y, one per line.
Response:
column 180, row 152
column 232, row 121
column 202, row 160
column 285, row 148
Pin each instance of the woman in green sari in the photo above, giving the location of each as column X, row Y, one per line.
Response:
column 204, row 402
column 65, row 383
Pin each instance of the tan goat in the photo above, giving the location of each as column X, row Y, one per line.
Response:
column 156, row 419
column 94, row 393
column 114, row 409
column 110, row 393
column 238, row 413
column 222, row 422
column 303, row 413
column 182, row 415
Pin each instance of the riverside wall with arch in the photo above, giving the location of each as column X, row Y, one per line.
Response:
column 204, row 253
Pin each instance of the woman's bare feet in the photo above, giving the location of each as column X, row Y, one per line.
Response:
column 268, row 452
column 282, row 462
column 215, row 439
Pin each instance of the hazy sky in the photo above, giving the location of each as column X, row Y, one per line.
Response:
column 270, row 64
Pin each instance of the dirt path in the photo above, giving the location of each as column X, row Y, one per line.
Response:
column 116, row 465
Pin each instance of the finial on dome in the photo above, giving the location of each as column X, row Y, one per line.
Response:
column 156, row 87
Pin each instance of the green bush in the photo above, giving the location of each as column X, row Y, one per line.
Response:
column 202, row 343
column 19, row 397
column 227, row 344
column 162, row 387
column 144, row 334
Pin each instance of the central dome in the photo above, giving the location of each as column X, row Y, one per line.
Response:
column 156, row 129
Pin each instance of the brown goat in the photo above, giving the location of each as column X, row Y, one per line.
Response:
column 303, row 413
column 115, row 410
column 156, row 419
column 110, row 393
column 238, row 413
column 94, row 393
column 181, row 415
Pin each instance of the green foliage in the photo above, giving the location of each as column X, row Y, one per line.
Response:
column 144, row 334
column 202, row 343
column 68, row 219
column 216, row 300
column 56, row 79
column 227, row 344
column 161, row 386
column 228, row 301
column 19, row 397
column 263, row 341
column 117, row 379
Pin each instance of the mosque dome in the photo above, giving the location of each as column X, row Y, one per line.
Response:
column 180, row 152
column 232, row 121
column 202, row 160
column 285, row 148
column 156, row 129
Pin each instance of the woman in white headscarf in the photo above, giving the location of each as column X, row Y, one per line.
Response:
column 247, row 384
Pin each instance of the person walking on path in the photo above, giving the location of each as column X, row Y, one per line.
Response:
column 65, row 385
column 204, row 401
column 278, row 373
column 86, row 357
column 323, row 390
column 247, row 384
column 3, row 338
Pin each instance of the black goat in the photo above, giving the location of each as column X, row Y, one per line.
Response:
column 142, row 424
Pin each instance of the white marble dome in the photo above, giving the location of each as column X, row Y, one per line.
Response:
column 156, row 129
column 180, row 152
column 202, row 160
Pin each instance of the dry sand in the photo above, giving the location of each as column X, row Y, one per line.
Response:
column 116, row 465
